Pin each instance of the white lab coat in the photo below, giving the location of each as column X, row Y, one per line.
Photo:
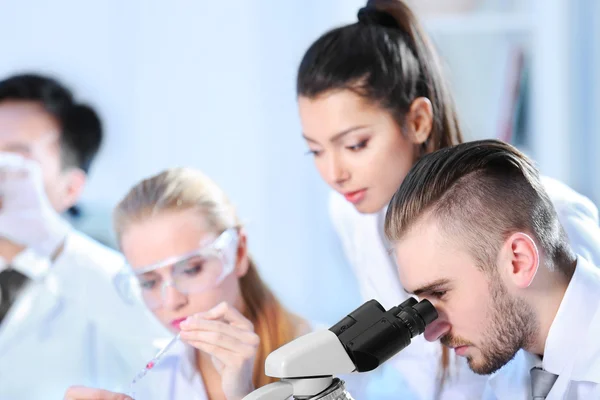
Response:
column 572, row 348
column 366, row 249
column 70, row 327
column 176, row 378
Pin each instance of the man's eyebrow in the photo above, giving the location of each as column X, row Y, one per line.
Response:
column 431, row 287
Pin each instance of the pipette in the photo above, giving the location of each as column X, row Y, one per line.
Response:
column 152, row 363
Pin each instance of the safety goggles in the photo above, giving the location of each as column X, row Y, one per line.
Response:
column 194, row 272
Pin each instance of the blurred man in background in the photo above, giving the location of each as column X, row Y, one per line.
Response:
column 61, row 320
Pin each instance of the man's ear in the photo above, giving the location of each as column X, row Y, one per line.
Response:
column 243, row 258
column 521, row 259
column 74, row 181
column 419, row 120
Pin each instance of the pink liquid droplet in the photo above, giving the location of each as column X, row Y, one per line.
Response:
column 150, row 365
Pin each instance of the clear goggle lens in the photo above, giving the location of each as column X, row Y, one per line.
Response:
column 193, row 272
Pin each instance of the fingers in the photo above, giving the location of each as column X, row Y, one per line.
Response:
column 228, row 313
column 9, row 159
column 15, row 166
column 227, row 357
column 11, row 166
column 21, row 181
column 85, row 393
column 196, row 324
column 10, row 173
column 219, row 334
column 226, row 341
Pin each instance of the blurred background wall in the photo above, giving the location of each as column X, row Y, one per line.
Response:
column 211, row 85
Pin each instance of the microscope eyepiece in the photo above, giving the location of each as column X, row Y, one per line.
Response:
column 426, row 311
column 416, row 316
column 372, row 335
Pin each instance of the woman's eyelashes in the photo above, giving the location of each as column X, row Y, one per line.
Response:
column 148, row 281
column 194, row 269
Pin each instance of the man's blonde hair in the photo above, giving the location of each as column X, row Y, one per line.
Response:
column 480, row 193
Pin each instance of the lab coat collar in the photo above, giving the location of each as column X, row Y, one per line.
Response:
column 185, row 380
column 577, row 323
column 188, row 362
column 39, row 300
column 37, row 305
column 182, row 355
column 511, row 382
column 29, row 263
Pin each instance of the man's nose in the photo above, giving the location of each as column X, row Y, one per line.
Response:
column 436, row 330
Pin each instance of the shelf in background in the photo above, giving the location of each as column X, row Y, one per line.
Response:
column 479, row 23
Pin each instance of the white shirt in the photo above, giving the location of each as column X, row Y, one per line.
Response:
column 376, row 272
column 175, row 377
column 572, row 349
column 70, row 327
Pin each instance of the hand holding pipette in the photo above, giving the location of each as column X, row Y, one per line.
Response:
column 229, row 338
column 222, row 333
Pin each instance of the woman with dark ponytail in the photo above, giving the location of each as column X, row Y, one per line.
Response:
column 372, row 100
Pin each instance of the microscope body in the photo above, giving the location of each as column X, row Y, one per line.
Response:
column 360, row 342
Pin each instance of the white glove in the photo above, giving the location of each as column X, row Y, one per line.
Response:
column 26, row 216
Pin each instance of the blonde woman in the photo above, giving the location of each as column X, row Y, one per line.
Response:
column 189, row 256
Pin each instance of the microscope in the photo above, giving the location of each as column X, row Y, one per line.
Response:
column 360, row 342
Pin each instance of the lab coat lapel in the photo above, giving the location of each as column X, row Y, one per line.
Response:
column 583, row 366
column 561, row 387
column 38, row 304
column 373, row 258
column 174, row 377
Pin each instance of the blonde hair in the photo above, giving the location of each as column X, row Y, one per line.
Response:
column 186, row 188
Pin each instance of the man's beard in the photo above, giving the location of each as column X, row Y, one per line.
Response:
column 512, row 326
